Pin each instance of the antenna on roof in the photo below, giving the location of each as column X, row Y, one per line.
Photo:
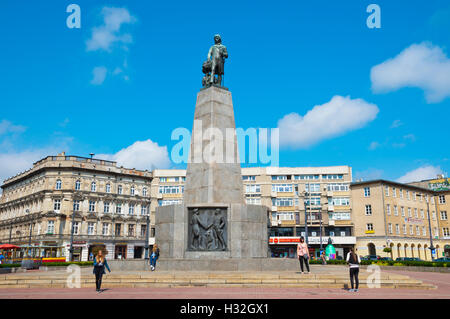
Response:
column 92, row 155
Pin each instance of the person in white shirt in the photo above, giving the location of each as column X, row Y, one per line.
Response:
column 353, row 261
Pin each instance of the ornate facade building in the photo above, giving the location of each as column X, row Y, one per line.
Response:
column 108, row 206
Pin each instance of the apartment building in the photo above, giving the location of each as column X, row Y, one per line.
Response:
column 404, row 218
column 107, row 205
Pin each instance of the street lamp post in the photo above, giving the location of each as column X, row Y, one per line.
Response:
column 306, row 219
column 147, row 234
column 429, row 227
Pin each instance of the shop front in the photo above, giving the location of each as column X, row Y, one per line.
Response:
column 120, row 251
column 286, row 247
column 94, row 248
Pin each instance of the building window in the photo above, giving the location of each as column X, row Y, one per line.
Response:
column 422, row 214
column 397, row 229
column 279, row 177
column 443, row 215
column 445, row 232
column 409, row 212
column 404, row 229
column 407, row 195
column 390, row 228
column 144, row 192
column 436, row 232
column 312, row 188
column 417, row 230
column 51, row 227
column 388, row 209
column 76, row 228
column 131, row 230
column 57, row 205
column 411, row 230
column 255, row 188
column 132, row 190
column 166, row 202
column 395, row 210
column 131, row 209
column 91, row 228
column 279, row 188
column 282, row 202
column 403, row 211
column 108, row 188
column 144, row 210
column 76, row 205
column 400, row 191
column 368, row 210
column 394, row 192
column 58, row 184
column 414, row 196
column 106, row 207
column 433, row 214
column 93, row 187
column 338, row 201
column 169, row 189
column 248, row 178
column 333, row 176
column 337, row 187
column 118, row 229
column 143, row 230
column 366, row 191
column 91, row 206
column 424, row 231
column 77, row 185
column 386, row 190
column 369, row 227
column 253, row 199
column 105, row 229
column 119, row 208
column 119, row 189
column 416, row 213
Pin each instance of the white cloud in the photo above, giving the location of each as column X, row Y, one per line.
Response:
column 141, row 155
column 421, row 65
column 421, row 173
column 108, row 34
column 13, row 163
column 99, row 75
column 396, row 123
column 339, row 115
column 7, row 127
column 374, row 145
column 368, row 174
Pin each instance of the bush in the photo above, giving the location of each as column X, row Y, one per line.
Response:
column 9, row 265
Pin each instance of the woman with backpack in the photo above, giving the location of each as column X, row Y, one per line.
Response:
column 303, row 254
column 353, row 261
column 99, row 269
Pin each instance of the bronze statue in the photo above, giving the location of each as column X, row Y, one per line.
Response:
column 218, row 228
column 214, row 65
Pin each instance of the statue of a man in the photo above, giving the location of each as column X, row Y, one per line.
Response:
column 217, row 55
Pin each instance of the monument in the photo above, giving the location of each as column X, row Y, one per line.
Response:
column 213, row 229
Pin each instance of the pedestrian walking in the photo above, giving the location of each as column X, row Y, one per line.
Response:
column 99, row 269
column 322, row 256
column 154, row 257
column 353, row 261
column 1, row 258
column 303, row 254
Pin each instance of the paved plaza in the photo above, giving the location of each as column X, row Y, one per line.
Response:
column 439, row 281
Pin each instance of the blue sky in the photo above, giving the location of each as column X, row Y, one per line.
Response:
column 284, row 57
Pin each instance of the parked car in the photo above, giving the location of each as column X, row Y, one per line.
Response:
column 443, row 260
column 408, row 259
column 385, row 258
column 371, row 257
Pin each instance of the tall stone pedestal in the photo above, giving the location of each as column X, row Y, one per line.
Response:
column 213, row 228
